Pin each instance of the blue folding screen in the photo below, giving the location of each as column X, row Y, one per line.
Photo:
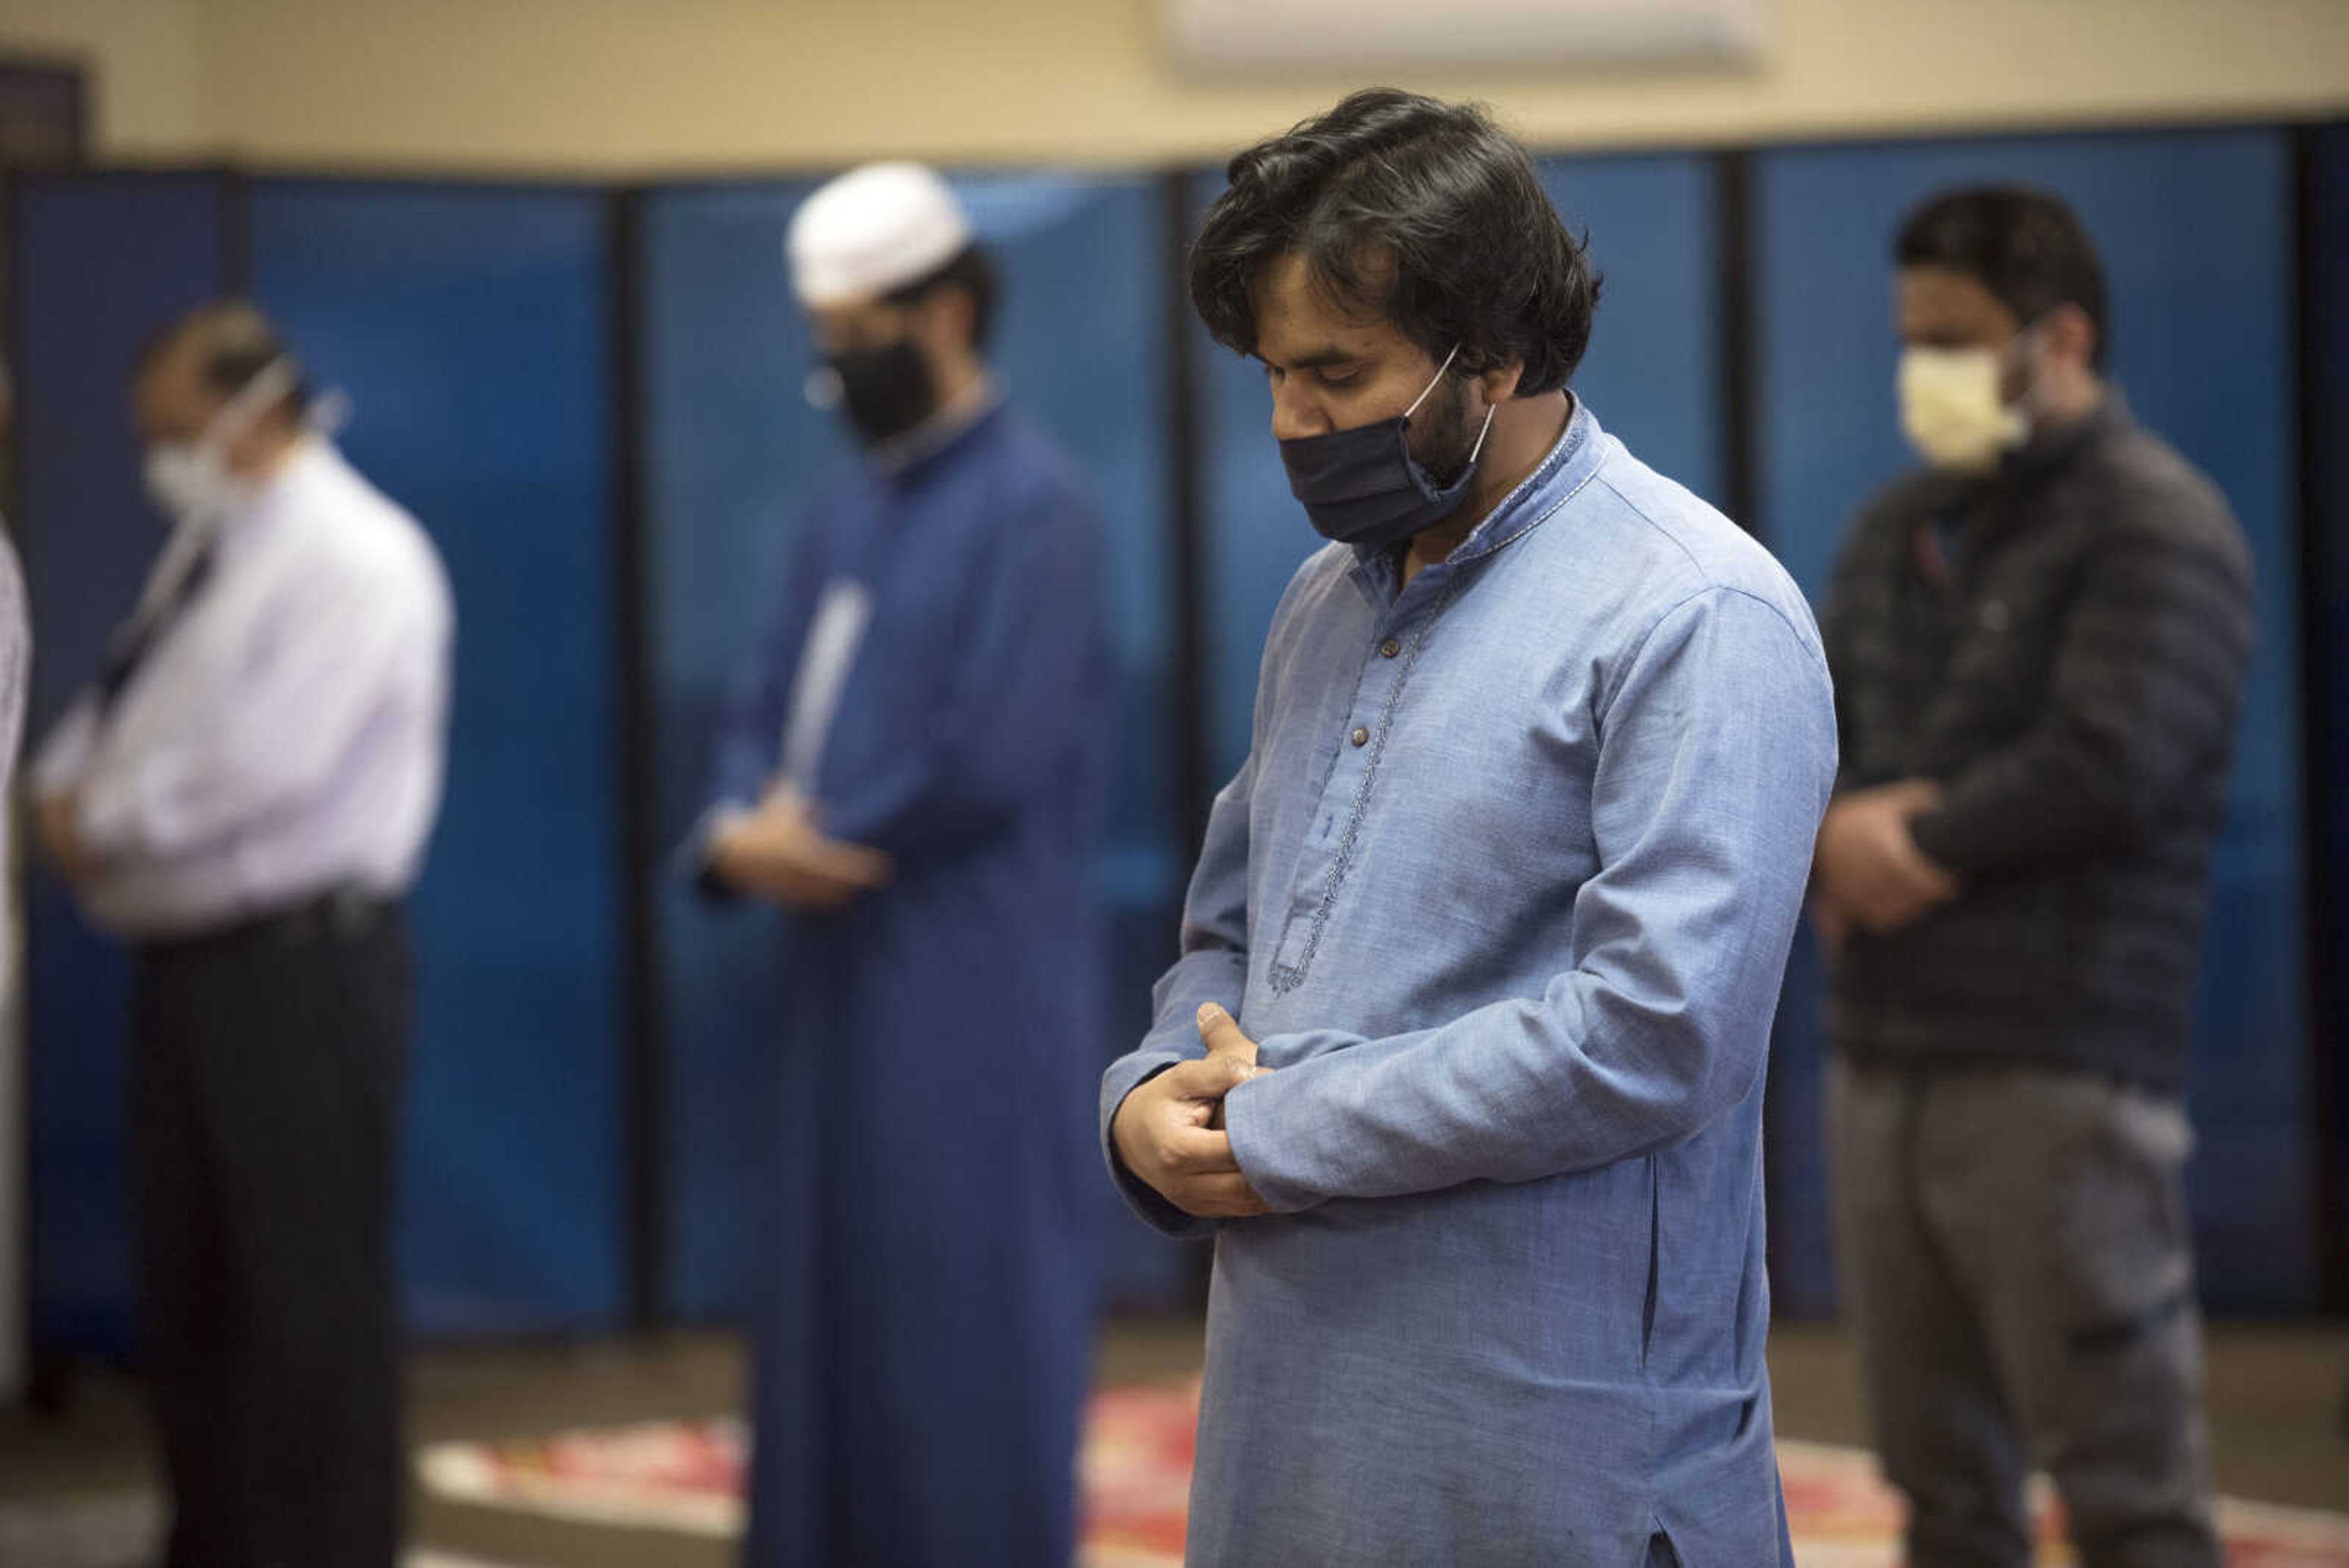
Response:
column 1652, row 377
column 97, row 265
column 469, row 326
column 2194, row 231
column 729, row 441
column 731, row 448
column 474, row 327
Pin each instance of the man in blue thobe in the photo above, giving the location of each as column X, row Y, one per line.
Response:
column 1483, row 946
column 911, row 766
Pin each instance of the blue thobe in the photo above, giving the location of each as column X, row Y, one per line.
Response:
column 1503, row 892
column 922, row 1335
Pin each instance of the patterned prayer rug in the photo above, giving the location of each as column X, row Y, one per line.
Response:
column 686, row 1476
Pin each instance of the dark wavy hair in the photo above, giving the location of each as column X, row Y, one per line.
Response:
column 2026, row 246
column 1423, row 212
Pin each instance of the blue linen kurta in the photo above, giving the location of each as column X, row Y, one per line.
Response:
column 1514, row 954
column 922, row 1335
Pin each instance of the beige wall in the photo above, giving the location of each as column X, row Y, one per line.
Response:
column 145, row 58
column 636, row 86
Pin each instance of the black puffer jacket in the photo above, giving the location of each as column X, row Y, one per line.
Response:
column 2062, row 646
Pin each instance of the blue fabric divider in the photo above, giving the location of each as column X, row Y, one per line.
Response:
column 731, row 447
column 472, row 325
column 97, row 264
column 1652, row 376
column 469, row 326
column 729, row 441
column 2194, row 228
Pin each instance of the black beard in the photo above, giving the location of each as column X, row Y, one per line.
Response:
column 1443, row 441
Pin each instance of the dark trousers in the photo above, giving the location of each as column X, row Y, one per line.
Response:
column 265, row 1110
column 2014, row 1246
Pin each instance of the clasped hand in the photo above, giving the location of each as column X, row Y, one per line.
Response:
column 56, row 820
column 1170, row 1131
column 777, row 852
column 1869, row 872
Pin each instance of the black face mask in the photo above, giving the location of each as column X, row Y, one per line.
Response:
column 1364, row 486
column 884, row 391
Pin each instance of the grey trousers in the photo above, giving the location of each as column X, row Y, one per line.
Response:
column 2014, row 1253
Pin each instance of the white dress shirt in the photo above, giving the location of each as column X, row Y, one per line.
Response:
column 285, row 735
column 15, row 675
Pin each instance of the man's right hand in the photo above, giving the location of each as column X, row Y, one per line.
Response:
column 58, row 824
column 777, row 852
column 1169, row 1131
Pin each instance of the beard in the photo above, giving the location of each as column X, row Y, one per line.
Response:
column 1443, row 436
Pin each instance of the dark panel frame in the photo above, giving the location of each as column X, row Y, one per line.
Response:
column 2324, row 484
column 644, row 1170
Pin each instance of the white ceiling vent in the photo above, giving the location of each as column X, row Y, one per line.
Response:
column 1291, row 35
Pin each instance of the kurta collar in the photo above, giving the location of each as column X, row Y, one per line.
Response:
column 1570, row 465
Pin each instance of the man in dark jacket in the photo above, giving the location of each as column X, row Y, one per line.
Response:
column 2038, row 645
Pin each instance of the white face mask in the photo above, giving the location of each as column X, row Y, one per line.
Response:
column 189, row 479
column 1952, row 411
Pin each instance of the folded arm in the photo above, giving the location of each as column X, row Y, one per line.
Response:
column 1716, row 757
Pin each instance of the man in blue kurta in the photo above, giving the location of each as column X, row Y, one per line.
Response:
column 1461, row 1064
column 911, row 765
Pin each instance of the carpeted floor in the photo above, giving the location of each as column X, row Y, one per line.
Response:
column 685, row 1477
column 2275, row 1401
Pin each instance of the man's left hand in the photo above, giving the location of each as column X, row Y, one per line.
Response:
column 1870, row 872
column 1219, row 1031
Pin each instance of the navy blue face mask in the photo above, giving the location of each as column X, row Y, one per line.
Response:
column 1362, row 487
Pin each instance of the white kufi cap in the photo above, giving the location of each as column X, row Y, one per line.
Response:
column 873, row 230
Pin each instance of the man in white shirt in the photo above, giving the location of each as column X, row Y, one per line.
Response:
column 245, row 793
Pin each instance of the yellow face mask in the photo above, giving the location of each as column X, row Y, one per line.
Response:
column 1951, row 409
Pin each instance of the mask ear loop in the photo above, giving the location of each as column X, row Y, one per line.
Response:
column 2024, row 350
column 1490, row 410
column 269, row 383
column 1432, row 385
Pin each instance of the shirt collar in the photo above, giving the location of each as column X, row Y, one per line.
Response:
column 1566, row 468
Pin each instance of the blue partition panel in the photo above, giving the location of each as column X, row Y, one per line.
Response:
column 731, row 448
column 1652, row 377
column 469, row 326
column 728, row 444
column 97, row 263
column 2195, row 235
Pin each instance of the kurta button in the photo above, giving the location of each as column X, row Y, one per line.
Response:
column 1389, row 648
column 1361, row 737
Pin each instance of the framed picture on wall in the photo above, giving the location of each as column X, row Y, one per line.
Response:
column 44, row 115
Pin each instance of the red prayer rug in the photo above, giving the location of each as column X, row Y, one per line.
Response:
column 1136, row 1465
